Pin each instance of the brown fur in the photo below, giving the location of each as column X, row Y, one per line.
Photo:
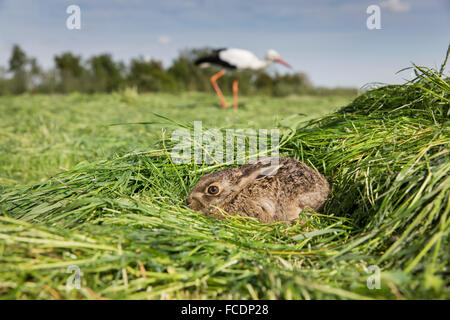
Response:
column 264, row 189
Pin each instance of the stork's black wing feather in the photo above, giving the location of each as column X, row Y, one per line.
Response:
column 214, row 58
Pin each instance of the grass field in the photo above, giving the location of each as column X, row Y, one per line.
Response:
column 76, row 191
column 41, row 135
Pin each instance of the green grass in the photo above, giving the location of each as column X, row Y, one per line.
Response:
column 121, row 218
column 41, row 135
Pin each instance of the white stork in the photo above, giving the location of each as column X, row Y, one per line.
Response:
column 239, row 59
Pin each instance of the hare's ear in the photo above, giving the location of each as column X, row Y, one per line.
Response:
column 257, row 171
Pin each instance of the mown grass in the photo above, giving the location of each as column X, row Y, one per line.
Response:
column 41, row 135
column 122, row 220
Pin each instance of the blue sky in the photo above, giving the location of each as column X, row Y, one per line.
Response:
column 327, row 39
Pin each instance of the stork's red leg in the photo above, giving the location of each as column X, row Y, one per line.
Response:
column 216, row 87
column 235, row 94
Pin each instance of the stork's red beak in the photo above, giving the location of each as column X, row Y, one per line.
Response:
column 279, row 60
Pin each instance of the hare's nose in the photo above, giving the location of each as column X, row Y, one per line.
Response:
column 188, row 202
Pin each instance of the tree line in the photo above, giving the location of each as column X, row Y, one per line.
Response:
column 100, row 73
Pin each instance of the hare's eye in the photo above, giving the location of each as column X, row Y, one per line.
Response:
column 213, row 190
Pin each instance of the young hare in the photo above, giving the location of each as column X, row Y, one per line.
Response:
column 269, row 189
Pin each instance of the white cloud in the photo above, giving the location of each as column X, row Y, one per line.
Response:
column 395, row 5
column 164, row 40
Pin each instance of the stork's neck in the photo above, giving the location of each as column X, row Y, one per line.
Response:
column 264, row 63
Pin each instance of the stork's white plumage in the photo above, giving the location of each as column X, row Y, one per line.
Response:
column 234, row 58
column 242, row 59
